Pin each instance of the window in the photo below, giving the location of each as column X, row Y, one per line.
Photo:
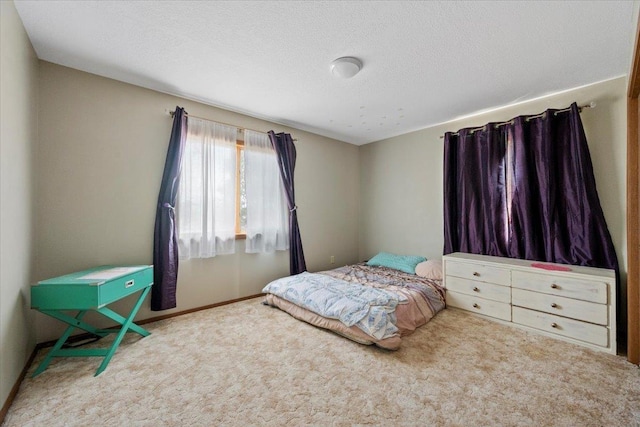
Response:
column 267, row 220
column 228, row 190
column 206, row 208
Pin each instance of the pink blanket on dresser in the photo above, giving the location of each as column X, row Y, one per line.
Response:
column 425, row 297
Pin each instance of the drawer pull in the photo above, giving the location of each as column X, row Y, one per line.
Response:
column 475, row 273
column 475, row 289
column 554, row 286
column 554, row 325
column 554, row 305
column 475, row 305
column 129, row 283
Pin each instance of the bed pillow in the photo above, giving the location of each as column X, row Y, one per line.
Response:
column 431, row 269
column 406, row 263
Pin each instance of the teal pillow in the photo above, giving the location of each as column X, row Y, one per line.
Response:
column 406, row 263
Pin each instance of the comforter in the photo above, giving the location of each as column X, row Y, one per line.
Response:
column 370, row 305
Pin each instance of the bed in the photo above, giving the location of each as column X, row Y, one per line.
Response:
column 367, row 303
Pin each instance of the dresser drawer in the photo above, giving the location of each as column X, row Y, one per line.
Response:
column 479, row 305
column 480, row 289
column 586, row 290
column 560, row 306
column 478, row 272
column 582, row 331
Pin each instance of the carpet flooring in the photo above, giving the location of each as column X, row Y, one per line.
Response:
column 249, row 364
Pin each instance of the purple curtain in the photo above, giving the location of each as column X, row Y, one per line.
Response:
column 556, row 214
column 286, row 152
column 165, row 239
column 525, row 189
column 474, row 192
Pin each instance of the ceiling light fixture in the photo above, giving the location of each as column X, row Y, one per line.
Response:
column 346, row 67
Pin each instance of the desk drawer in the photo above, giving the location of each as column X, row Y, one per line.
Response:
column 487, row 307
column 583, row 331
column 586, row 290
column 480, row 289
column 478, row 272
column 119, row 288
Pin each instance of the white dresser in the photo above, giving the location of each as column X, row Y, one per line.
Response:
column 577, row 305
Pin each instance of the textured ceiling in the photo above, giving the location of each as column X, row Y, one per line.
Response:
column 424, row 62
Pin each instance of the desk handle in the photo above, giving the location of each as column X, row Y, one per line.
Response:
column 129, row 283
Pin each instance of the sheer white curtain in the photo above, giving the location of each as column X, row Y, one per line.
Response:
column 267, row 217
column 206, row 209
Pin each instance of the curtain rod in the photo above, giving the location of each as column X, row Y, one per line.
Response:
column 172, row 113
column 592, row 104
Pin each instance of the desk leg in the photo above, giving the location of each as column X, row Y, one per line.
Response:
column 43, row 365
column 120, row 320
column 75, row 322
column 125, row 327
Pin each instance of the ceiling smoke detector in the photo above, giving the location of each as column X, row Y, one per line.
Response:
column 346, row 67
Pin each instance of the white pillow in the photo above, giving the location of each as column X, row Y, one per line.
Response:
column 431, row 269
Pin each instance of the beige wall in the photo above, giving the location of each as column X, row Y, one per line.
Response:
column 103, row 145
column 18, row 115
column 401, row 178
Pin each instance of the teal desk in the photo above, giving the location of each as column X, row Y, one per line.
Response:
column 87, row 290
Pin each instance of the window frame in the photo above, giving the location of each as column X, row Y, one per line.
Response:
column 240, row 234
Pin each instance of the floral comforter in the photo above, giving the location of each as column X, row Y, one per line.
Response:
column 382, row 303
column 371, row 309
